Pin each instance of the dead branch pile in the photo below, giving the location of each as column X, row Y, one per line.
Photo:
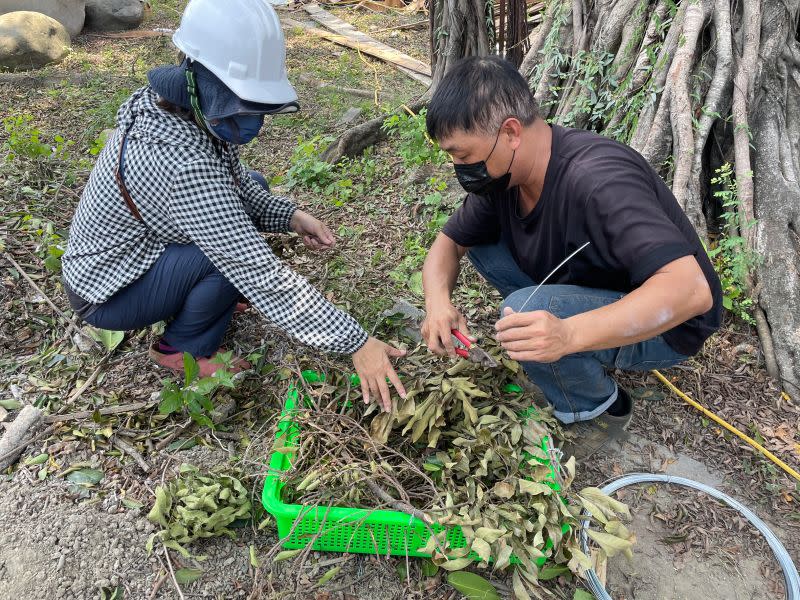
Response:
column 464, row 448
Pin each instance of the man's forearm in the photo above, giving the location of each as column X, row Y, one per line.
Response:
column 662, row 302
column 440, row 271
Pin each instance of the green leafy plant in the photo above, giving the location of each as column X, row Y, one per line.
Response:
column 24, row 141
column 413, row 144
column 732, row 258
column 196, row 506
column 195, row 395
column 307, row 169
column 333, row 181
column 110, row 339
column 24, row 138
column 473, row 586
column 51, row 243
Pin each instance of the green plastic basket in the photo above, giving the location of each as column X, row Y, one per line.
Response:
column 343, row 529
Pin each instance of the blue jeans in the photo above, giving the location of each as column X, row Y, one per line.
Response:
column 184, row 286
column 578, row 386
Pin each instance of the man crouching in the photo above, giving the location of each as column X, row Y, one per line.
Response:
column 641, row 294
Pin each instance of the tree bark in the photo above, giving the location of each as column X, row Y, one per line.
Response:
column 774, row 120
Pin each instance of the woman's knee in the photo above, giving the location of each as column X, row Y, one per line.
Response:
column 259, row 179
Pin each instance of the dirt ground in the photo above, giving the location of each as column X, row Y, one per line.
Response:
column 57, row 541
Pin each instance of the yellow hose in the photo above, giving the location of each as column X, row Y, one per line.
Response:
column 729, row 427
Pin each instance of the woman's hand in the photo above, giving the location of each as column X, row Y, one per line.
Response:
column 374, row 367
column 314, row 233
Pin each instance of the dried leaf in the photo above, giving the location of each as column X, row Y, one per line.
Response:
column 518, row 585
column 610, row 544
column 482, row 549
column 488, row 534
column 503, row 489
column 605, row 501
column 456, row 564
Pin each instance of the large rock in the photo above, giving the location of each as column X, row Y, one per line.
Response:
column 29, row 40
column 70, row 13
column 114, row 15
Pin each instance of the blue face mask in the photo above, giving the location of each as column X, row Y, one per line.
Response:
column 238, row 129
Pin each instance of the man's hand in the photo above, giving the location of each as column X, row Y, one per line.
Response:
column 315, row 233
column 537, row 336
column 373, row 367
column 437, row 326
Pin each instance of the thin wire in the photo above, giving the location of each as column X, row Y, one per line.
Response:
column 782, row 556
column 549, row 275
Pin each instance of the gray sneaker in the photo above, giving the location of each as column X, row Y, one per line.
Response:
column 606, row 432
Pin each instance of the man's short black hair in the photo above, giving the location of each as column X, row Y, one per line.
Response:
column 477, row 94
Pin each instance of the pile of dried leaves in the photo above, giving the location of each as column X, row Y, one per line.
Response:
column 465, row 448
column 195, row 506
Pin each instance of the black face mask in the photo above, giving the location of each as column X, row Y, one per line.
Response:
column 475, row 178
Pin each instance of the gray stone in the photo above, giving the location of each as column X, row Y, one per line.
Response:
column 114, row 15
column 29, row 40
column 411, row 315
column 70, row 13
column 349, row 116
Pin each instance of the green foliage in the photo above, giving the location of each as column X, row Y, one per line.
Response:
column 339, row 183
column 196, row 392
column 110, row 339
column 307, row 170
column 732, row 259
column 24, row 139
column 51, row 244
column 472, row 586
column 414, row 145
column 408, row 271
column 196, row 506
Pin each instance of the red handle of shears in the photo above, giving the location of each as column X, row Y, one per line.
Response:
column 462, row 353
column 461, row 337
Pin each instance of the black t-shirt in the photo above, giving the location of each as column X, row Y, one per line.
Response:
column 604, row 192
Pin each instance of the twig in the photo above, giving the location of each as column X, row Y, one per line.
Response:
column 16, row 438
column 159, row 582
column 111, row 410
column 324, row 85
column 403, row 26
column 180, row 429
column 172, row 573
column 125, row 447
column 27, row 443
column 35, row 286
column 395, row 503
column 90, row 380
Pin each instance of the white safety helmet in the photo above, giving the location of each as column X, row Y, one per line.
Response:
column 241, row 42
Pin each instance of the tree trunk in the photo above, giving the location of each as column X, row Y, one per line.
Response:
column 775, row 125
column 691, row 87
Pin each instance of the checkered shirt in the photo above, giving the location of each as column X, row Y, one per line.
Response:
column 192, row 190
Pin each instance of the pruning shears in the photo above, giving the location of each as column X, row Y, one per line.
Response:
column 472, row 352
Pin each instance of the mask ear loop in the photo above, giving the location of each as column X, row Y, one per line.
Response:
column 194, row 100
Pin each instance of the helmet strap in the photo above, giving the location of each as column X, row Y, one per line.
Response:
column 194, row 100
